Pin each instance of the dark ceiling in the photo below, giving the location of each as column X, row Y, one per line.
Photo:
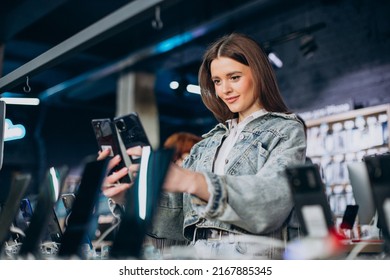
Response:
column 30, row 28
column 73, row 51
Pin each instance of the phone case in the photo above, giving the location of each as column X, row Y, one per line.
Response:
column 107, row 138
column 131, row 131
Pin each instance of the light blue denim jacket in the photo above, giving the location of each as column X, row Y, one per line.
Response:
column 253, row 196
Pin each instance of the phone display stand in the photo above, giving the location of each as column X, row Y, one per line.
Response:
column 311, row 204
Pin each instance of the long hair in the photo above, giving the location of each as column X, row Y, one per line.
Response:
column 247, row 51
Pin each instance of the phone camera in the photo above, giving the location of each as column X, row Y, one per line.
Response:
column 121, row 125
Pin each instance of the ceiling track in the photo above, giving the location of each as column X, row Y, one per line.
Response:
column 154, row 49
column 101, row 30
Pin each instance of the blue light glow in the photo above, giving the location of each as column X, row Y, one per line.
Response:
column 174, row 42
column 13, row 131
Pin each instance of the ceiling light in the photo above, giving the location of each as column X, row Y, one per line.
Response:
column 193, row 88
column 275, row 60
column 20, row 100
column 174, row 85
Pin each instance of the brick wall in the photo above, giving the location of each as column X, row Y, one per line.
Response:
column 352, row 62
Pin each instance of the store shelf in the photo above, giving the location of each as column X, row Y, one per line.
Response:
column 336, row 140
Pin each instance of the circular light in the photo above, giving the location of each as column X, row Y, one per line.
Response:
column 174, row 85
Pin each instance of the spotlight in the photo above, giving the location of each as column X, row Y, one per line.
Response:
column 178, row 86
column 193, row 88
column 174, row 85
column 308, row 46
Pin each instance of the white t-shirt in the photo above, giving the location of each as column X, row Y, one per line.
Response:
column 235, row 130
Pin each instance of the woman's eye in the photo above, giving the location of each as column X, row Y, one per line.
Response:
column 216, row 82
column 235, row 78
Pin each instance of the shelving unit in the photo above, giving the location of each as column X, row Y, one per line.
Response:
column 334, row 141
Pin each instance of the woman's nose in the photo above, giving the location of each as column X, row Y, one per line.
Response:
column 225, row 87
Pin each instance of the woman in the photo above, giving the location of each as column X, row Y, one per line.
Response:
column 232, row 185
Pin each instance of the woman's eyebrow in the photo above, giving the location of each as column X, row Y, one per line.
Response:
column 228, row 74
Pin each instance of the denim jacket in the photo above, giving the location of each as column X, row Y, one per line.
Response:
column 253, row 196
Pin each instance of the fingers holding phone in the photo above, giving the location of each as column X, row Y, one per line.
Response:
column 102, row 154
column 117, row 193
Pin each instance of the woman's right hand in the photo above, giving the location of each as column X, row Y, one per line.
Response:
column 111, row 188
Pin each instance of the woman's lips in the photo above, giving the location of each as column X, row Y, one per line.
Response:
column 231, row 99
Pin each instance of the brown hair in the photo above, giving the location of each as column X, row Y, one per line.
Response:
column 247, row 51
column 182, row 142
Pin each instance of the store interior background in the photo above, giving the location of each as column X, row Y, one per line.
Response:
column 349, row 65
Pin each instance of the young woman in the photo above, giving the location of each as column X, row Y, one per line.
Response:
column 232, row 185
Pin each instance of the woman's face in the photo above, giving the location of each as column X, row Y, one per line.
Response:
column 233, row 83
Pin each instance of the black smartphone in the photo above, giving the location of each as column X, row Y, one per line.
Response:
column 68, row 200
column 83, row 216
column 349, row 217
column 107, row 138
column 131, row 132
column 311, row 204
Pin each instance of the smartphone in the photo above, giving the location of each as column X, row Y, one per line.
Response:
column 68, row 200
column 311, row 204
column 83, row 216
column 107, row 139
column 349, row 217
column 131, row 132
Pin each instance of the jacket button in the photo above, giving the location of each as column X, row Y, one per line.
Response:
column 241, row 137
column 226, row 161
